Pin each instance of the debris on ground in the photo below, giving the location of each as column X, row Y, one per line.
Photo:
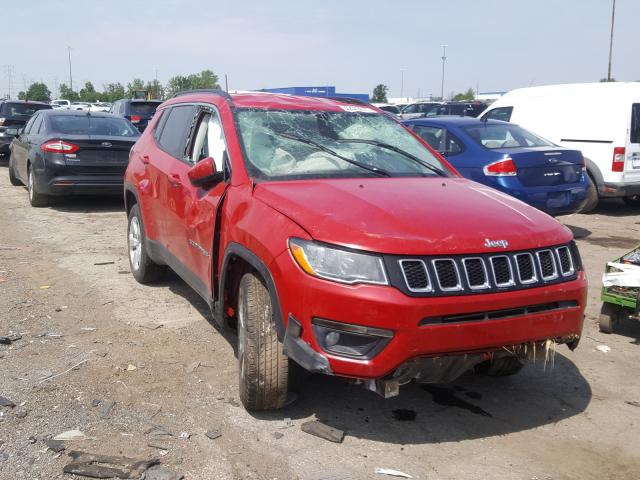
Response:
column 55, row 445
column 156, row 431
column 50, row 377
column 213, row 434
column 70, row 435
column 603, row 348
column 192, row 367
column 633, row 403
column 392, row 473
column 95, row 402
column 104, row 263
column 107, row 466
column 319, row 429
column 9, row 339
column 185, row 435
column 161, row 473
column 5, row 402
column 108, row 407
column 131, row 368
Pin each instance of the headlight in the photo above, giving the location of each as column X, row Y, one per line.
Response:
column 336, row 264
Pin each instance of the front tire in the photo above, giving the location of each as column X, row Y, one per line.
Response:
column 500, row 367
column 263, row 366
column 609, row 317
column 35, row 199
column 13, row 179
column 143, row 268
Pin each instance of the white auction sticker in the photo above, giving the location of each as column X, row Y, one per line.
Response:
column 354, row 108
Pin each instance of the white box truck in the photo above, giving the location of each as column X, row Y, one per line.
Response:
column 600, row 119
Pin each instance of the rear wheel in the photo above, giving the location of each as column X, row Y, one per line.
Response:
column 263, row 366
column 592, row 197
column 632, row 200
column 13, row 179
column 144, row 269
column 35, row 199
column 609, row 317
column 500, row 367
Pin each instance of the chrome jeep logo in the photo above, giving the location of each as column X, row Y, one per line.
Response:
column 488, row 243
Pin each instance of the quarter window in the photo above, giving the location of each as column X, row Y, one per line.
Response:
column 439, row 139
column 173, row 137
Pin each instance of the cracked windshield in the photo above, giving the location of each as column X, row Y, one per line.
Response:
column 296, row 144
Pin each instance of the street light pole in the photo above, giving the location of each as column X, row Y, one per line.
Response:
column 444, row 59
column 70, row 76
column 613, row 17
column 401, row 84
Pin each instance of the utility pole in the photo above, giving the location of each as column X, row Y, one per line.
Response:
column 444, row 59
column 70, row 75
column 226, row 83
column 613, row 17
column 9, row 75
column 402, row 84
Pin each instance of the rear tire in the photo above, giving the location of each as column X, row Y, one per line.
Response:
column 144, row 269
column 35, row 199
column 632, row 201
column 500, row 367
column 263, row 367
column 13, row 179
column 609, row 317
column 592, row 197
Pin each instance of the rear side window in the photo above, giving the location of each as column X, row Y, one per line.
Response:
column 500, row 113
column 635, row 123
column 173, row 136
column 143, row 109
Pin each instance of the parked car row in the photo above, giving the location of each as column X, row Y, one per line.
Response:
column 87, row 106
column 434, row 109
column 409, row 271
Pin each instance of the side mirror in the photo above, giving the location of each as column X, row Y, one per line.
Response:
column 204, row 173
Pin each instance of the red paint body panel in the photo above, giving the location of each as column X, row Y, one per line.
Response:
column 409, row 216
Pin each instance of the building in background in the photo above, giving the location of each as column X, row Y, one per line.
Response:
column 326, row 91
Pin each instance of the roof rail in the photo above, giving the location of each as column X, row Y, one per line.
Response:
column 347, row 100
column 215, row 91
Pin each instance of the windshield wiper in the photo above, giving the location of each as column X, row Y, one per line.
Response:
column 376, row 170
column 408, row 155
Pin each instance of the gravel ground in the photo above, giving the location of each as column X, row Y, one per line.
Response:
column 116, row 360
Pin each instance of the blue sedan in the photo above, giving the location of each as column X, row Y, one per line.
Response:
column 509, row 158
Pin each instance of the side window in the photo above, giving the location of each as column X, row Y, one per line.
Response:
column 37, row 125
column 500, row 113
column 208, row 141
column 173, row 137
column 157, row 129
column 29, row 125
column 635, row 123
column 434, row 136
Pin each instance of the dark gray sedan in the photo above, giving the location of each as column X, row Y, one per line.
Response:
column 71, row 152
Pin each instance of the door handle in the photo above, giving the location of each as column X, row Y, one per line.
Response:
column 174, row 180
column 145, row 159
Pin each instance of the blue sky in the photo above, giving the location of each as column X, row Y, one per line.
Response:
column 496, row 44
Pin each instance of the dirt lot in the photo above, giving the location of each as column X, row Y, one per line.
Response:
column 65, row 287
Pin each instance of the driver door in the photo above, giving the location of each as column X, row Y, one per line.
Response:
column 194, row 229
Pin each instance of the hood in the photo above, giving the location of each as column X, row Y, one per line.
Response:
column 412, row 216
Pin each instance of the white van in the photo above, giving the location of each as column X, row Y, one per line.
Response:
column 600, row 119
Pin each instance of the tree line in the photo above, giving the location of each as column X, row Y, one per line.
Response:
column 111, row 92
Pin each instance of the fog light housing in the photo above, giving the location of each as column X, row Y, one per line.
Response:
column 348, row 340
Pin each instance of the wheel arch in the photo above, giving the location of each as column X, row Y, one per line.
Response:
column 237, row 261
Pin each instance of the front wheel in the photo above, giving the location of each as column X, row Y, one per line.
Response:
column 263, row 366
column 13, row 178
column 143, row 268
column 35, row 199
column 632, row 200
column 609, row 317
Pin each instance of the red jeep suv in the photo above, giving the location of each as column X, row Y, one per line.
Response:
column 336, row 240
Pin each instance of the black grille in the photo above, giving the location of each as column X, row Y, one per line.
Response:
column 416, row 275
column 565, row 260
column 501, row 270
column 476, row 275
column 447, row 274
column 547, row 265
column 483, row 272
column 526, row 270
